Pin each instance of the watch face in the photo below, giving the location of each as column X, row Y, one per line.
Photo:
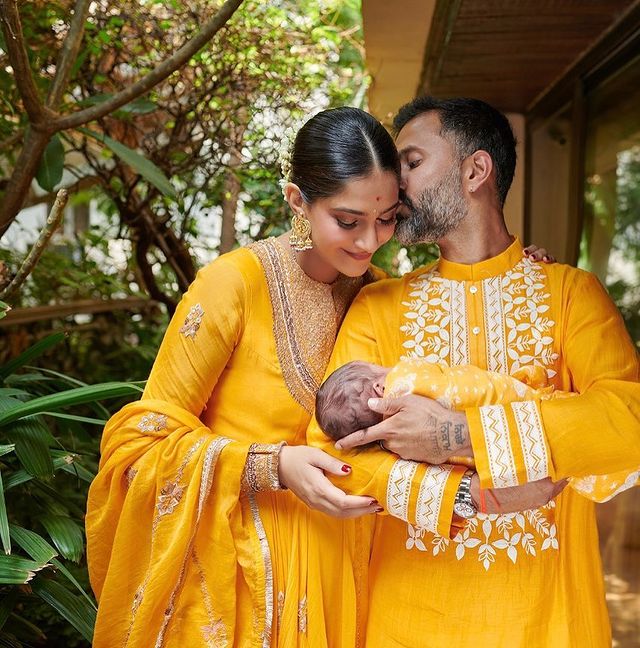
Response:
column 464, row 510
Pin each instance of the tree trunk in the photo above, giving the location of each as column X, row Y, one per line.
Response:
column 25, row 170
column 231, row 190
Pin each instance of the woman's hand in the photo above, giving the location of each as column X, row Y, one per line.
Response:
column 536, row 253
column 302, row 470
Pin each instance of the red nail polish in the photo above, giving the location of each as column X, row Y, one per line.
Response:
column 374, row 502
column 379, row 509
column 345, row 468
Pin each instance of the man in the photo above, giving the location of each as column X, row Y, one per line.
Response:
column 529, row 579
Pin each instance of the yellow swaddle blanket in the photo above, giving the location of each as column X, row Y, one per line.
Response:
column 466, row 386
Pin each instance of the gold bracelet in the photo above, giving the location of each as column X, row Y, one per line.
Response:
column 261, row 468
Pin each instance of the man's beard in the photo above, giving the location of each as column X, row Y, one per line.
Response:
column 438, row 211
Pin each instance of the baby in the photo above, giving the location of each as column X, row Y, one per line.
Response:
column 341, row 402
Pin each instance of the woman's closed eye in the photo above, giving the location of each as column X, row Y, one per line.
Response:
column 346, row 225
column 391, row 220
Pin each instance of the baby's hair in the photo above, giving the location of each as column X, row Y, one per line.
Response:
column 339, row 408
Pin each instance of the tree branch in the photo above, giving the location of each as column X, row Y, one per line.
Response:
column 52, row 224
column 68, row 53
column 14, row 38
column 161, row 72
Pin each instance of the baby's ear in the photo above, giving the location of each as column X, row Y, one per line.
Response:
column 378, row 388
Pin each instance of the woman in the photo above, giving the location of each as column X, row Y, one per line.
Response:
column 199, row 528
column 190, row 532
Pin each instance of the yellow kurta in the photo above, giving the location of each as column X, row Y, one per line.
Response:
column 530, row 579
column 465, row 386
column 180, row 554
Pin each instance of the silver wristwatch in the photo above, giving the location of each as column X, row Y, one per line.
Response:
column 463, row 504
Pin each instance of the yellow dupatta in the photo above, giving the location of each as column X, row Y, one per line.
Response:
column 160, row 478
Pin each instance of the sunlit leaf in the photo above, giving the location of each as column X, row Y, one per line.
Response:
column 74, row 609
column 15, row 570
column 33, row 544
column 146, row 168
column 4, row 521
column 65, row 534
column 51, row 167
column 67, row 398
column 34, row 351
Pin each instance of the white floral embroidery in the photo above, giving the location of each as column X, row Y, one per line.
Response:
column 517, row 329
column 192, row 321
column 525, row 300
column 152, row 422
column 429, row 316
column 486, row 536
column 518, row 333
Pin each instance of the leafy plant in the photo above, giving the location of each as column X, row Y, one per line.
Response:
column 45, row 452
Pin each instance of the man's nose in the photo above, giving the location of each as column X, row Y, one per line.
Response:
column 403, row 184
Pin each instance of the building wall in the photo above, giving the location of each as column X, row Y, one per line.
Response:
column 549, row 158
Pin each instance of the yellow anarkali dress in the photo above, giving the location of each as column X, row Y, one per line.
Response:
column 188, row 542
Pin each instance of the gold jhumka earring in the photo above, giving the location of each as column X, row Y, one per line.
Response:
column 300, row 238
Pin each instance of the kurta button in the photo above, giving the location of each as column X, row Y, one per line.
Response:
column 473, row 290
column 476, row 330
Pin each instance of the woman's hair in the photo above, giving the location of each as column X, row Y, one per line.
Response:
column 336, row 146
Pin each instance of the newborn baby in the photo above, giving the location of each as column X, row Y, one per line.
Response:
column 341, row 402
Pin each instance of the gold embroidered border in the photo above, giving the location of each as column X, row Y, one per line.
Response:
column 268, row 571
column 206, row 479
column 215, row 633
column 261, row 469
column 300, row 382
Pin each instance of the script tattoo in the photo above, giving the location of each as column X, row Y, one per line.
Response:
column 445, row 435
column 459, row 434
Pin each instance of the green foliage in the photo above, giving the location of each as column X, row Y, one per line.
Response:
column 43, row 459
column 613, row 204
column 49, row 172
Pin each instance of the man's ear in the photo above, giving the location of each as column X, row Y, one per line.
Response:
column 476, row 171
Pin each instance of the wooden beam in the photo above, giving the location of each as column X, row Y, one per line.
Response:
column 84, row 306
column 617, row 43
column 444, row 18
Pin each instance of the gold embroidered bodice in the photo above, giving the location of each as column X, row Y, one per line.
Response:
column 306, row 318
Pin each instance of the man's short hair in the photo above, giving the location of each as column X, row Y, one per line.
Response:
column 475, row 125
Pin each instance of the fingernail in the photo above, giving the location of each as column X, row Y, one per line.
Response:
column 545, row 258
column 372, row 402
column 379, row 509
column 374, row 502
column 337, row 446
column 526, row 252
column 346, row 468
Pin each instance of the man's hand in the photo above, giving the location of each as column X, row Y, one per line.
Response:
column 528, row 496
column 415, row 427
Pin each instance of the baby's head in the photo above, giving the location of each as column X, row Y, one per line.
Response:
column 341, row 402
